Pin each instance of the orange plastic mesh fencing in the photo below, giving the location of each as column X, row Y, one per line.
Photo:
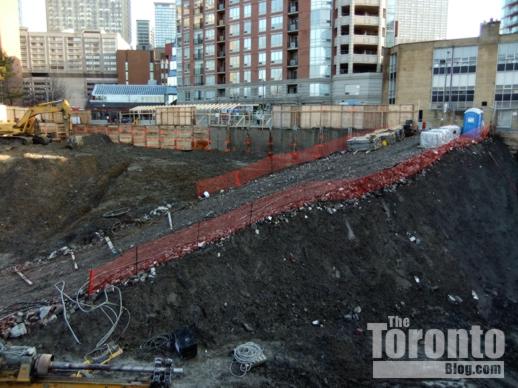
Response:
column 273, row 163
column 184, row 241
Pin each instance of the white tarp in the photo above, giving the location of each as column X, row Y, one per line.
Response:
column 437, row 137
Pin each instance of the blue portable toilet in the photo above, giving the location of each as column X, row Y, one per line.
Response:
column 473, row 121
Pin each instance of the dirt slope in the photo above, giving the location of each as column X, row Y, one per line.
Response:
column 318, row 265
column 51, row 196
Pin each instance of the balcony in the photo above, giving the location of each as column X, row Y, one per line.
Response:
column 357, row 58
column 293, row 9
column 366, row 20
column 371, row 3
column 293, row 27
column 293, row 45
column 221, row 70
column 293, row 63
column 342, row 39
column 366, row 39
column 365, row 58
column 221, row 7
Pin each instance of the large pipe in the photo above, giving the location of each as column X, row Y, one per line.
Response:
column 56, row 366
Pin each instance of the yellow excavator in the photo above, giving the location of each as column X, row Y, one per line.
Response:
column 22, row 367
column 27, row 128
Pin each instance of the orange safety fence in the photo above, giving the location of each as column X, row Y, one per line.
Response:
column 191, row 238
column 273, row 163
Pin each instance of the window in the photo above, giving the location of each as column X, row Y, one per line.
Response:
column 276, row 74
column 262, row 58
column 247, row 27
column 247, row 60
column 234, row 61
column 261, row 74
column 247, row 10
column 247, row 76
column 276, row 90
column 247, row 44
column 234, row 29
column 276, row 6
column 234, row 77
column 262, row 25
column 276, row 56
column 276, row 40
column 262, row 8
column 234, row 13
column 276, row 22
column 318, row 90
column 234, row 45
column 261, row 42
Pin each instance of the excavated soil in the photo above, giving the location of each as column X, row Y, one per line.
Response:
column 53, row 196
column 455, row 227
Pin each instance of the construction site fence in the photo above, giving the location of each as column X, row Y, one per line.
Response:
column 184, row 241
column 341, row 116
column 167, row 137
column 273, row 163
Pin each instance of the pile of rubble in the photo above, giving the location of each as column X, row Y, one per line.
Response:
column 19, row 322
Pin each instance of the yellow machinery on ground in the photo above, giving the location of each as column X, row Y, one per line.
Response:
column 27, row 127
column 22, row 367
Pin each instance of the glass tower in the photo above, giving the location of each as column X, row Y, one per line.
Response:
column 165, row 23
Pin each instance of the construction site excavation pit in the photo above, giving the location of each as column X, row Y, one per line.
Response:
column 303, row 285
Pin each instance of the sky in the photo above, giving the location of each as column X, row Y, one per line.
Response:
column 464, row 16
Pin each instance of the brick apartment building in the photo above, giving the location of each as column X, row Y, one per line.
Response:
column 293, row 51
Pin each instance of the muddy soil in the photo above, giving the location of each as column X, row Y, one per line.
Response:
column 128, row 230
column 52, row 196
column 455, row 227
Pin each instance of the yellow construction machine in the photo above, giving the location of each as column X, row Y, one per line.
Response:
column 27, row 128
column 22, row 367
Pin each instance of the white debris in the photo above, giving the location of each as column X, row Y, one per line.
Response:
column 206, row 194
column 474, row 295
column 316, row 323
column 44, row 311
column 412, row 239
column 18, row 330
column 417, row 280
column 152, row 272
column 257, row 231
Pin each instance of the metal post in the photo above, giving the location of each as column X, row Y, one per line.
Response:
column 136, row 259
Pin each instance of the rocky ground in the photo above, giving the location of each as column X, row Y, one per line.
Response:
column 307, row 283
column 68, row 203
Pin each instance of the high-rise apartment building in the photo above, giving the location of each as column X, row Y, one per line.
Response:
column 79, row 15
column 9, row 27
column 281, row 50
column 416, row 20
column 509, row 17
column 144, row 35
column 58, row 65
column 165, row 23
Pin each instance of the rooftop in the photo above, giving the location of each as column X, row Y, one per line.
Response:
column 139, row 90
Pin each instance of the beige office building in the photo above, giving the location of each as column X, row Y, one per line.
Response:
column 443, row 78
column 57, row 65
